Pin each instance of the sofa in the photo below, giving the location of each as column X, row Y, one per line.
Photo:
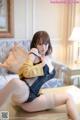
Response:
column 62, row 75
column 62, row 71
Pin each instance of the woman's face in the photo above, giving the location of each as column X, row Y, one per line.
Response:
column 42, row 48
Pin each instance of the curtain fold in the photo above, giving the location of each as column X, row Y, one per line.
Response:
column 68, row 24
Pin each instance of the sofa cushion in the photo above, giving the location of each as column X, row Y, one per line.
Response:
column 53, row 83
column 15, row 59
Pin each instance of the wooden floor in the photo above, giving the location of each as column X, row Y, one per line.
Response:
column 18, row 114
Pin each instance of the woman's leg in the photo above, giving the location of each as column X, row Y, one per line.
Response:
column 16, row 88
column 49, row 101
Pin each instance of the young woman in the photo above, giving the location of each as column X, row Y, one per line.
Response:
column 35, row 71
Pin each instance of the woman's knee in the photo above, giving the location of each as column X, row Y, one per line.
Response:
column 69, row 98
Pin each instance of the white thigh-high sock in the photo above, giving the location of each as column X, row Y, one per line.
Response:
column 17, row 88
column 21, row 94
column 5, row 93
column 43, row 102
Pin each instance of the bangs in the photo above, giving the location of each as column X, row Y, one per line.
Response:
column 43, row 38
column 43, row 41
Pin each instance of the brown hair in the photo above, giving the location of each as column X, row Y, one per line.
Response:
column 43, row 38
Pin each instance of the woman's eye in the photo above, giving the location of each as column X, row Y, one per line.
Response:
column 40, row 44
column 46, row 44
column 43, row 44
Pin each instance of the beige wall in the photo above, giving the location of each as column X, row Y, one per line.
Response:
column 19, row 16
column 19, row 19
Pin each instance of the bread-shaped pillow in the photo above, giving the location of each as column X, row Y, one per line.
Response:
column 15, row 59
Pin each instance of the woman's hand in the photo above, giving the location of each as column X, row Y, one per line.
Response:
column 43, row 60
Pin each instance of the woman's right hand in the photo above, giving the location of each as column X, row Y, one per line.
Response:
column 43, row 61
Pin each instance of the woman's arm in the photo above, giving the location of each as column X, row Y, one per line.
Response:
column 29, row 70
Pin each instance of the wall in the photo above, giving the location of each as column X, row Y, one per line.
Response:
column 19, row 19
column 19, row 16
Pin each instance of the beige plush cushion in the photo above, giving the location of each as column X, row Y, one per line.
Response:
column 16, row 57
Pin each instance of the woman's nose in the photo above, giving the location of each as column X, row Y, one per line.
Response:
column 43, row 46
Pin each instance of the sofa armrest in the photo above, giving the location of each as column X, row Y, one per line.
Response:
column 62, row 72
